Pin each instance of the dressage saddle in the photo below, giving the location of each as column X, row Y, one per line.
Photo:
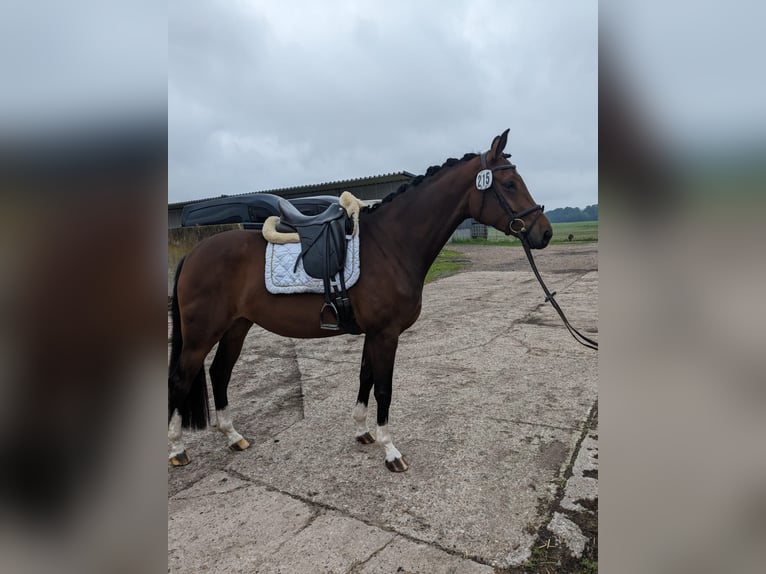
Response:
column 323, row 253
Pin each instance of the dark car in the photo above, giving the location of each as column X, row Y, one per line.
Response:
column 249, row 210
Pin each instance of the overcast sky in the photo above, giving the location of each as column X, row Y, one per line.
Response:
column 270, row 94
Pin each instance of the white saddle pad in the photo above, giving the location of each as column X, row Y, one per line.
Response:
column 280, row 260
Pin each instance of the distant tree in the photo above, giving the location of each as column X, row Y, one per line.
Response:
column 568, row 214
column 591, row 213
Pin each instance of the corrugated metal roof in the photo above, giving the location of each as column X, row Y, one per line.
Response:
column 399, row 176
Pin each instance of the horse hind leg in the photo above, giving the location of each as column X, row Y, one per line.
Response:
column 359, row 414
column 187, row 403
column 178, row 455
column 229, row 348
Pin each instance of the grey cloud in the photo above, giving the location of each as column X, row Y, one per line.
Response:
column 262, row 98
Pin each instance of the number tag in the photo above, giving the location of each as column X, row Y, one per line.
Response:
column 484, row 179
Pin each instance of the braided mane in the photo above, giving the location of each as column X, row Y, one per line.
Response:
column 415, row 181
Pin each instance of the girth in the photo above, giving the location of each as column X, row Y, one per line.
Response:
column 323, row 253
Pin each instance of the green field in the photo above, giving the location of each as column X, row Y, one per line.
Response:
column 585, row 231
column 447, row 263
column 581, row 230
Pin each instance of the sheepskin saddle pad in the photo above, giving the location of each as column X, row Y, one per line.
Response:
column 290, row 241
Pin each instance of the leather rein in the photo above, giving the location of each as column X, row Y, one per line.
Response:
column 579, row 337
column 485, row 181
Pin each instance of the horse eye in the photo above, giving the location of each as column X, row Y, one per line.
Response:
column 510, row 185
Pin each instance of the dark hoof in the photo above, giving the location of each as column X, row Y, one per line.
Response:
column 239, row 446
column 397, row 465
column 366, row 438
column 180, row 459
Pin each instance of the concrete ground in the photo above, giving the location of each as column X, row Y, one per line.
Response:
column 493, row 409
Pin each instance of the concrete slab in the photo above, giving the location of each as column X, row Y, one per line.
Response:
column 405, row 556
column 474, row 490
column 583, row 484
column 574, row 520
column 569, row 533
column 231, row 531
column 332, row 544
column 490, row 397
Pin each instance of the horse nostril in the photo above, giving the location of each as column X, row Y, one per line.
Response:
column 547, row 234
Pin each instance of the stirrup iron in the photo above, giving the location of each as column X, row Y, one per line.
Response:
column 334, row 312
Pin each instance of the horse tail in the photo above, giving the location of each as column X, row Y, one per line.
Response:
column 176, row 341
column 194, row 409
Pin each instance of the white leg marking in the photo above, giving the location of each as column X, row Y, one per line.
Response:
column 384, row 437
column 359, row 414
column 174, row 435
column 225, row 425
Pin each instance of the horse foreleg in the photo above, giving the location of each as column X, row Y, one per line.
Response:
column 229, row 348
column 382, row 354
column 359, row 414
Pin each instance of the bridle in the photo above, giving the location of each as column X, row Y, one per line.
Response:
column 485, row 181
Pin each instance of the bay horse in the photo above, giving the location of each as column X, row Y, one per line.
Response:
column 219, row 290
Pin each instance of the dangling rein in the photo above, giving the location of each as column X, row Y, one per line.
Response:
column 484, row 182
column 579, row 337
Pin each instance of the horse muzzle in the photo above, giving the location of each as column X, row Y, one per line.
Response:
column 538, row 234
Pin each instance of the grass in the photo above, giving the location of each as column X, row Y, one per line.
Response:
column 447, row 263
column 589, row 566
column 581, row 231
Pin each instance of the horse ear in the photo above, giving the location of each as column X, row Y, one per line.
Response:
column 498, row 145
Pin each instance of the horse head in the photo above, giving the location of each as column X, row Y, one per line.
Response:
column 500, row 198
